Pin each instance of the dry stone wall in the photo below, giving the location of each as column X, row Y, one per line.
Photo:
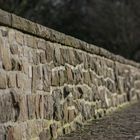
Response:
column 50, row 83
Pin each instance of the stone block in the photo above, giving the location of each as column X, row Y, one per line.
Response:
column 23, row 24
column 48, row 107
column 37, row 82
column 79, row 57
column 69, row 74
column 16, row 64
column 11, row 79
column 45, row 135
column 49, row 52
column 36, row 57
column 57, row 55
column 5, row 18
column 31, row 106
column 53, row 130
column 43, row 57
column 78, row 76
column 71, row 115
column 87, row 79
column 65, row 54
column 41, row 44
column 19, row 37
column 65, row 112
column 6, row 108
column 21, row 80
column 6, row 58
column 3, row 80
column 71, row 57
column 46, row 77
column 14, row 49
column 30, row 41
column 62, row 77
column 57, row 106
column 55, row 78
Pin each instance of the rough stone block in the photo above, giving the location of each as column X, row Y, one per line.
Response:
column 48, row 107
column 19, row 37
column 23, row 24
column 43, row 57
column 71, row 115
column 21, row 80
column 62, row 77
column 65, row 112
column 46, row 77
column 30, row 41
column 6, row 59
column 5, row 18
column 37, row 78
column 87, row 79
column 57, row 98
column 69, row 74
column 45, row 135
column 55, row 78
column 6, row 108
column 14, row 49
column 53, row 130
column 49, row 52
column 12, row 80
column 3, row 80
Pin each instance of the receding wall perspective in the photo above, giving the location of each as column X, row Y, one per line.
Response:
column 50, row 83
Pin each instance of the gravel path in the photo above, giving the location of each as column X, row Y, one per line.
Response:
column 121, row 125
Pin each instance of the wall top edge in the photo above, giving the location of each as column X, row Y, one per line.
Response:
column 32, row 28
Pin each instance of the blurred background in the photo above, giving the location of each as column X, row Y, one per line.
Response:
column 111, row 24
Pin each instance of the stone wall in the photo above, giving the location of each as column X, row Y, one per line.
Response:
column 50, row 83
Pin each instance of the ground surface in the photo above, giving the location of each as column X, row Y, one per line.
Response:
column 121, row 125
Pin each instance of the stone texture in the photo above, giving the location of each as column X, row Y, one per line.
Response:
column 51, row 83
column 6, row 60
column 48, row 107
column 45, row 135
column 11, row 80
column 5, row 18
column 3, row 81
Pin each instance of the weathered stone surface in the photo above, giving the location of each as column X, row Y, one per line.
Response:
column 43, row 57
column 55, row 78
column 69, row 74
column 53, row 130
column 21, row 80
column 11, row 80
column 65, row 112
column 46, row 77
column 37, row 78
column 6, row 60
column 48, row 107
column 62, row 77
column 57, row 97
column 45, row 135
column 78, row 76
column 35, row 106
column 16, row 64
column 86, row 76
column 71, row 115
column 57, row 56
column 6, row 103
column 50, row 82
column 23, row 24
column 14, row 49
column 5, row 18
column 49, row 51
column 19, row 38
column 3, row 80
